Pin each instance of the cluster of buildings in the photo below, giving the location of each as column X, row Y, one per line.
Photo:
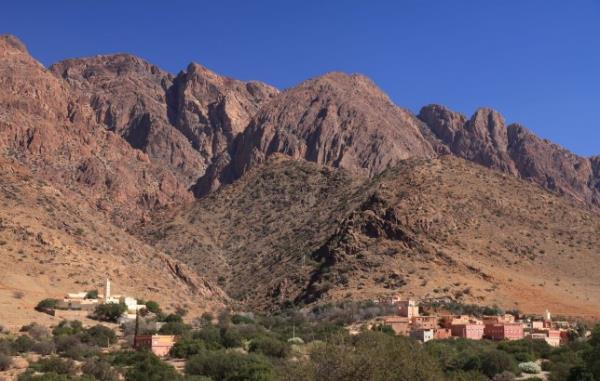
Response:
column 83, row 303
column 409, row 322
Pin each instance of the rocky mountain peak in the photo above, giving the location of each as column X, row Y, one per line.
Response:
column 10, row 44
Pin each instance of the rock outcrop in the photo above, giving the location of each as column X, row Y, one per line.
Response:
column 44, row 126
column 337, row 120
column 484, row 139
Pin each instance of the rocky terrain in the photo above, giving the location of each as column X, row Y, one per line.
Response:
column 52, row 242
column 325, row 190
column 294, row 232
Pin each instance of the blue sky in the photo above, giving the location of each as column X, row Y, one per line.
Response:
column 536, row 61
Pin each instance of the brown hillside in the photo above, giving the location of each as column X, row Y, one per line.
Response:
column 437, row 228
column 52, row 242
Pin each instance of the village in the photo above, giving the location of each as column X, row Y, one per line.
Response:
column 407, row 322
column 121, row 331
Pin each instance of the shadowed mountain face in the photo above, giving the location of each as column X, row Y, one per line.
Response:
column 332, row 189
column 485, row 140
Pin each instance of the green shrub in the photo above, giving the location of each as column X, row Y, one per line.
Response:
column 44, row 347
column 145, row 366
column 495, row 362
column 174, row 328
column 100, row 369
column 5, row 362
column 173, row 318
column 92, row 294
column 269, row 346
column 23, row 344
column 152, row 306
column 54, row 364
column 67, row 327
column 530, row 367
column 100, row 335
column 46, row 304
column 241, row 319
column 231, row 366
column 185, row 348
column 110, row 312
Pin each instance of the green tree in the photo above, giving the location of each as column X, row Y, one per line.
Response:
column 100, row 335
column 110, row 312
column 153, row 307
column 269, row 346
column 230, row 366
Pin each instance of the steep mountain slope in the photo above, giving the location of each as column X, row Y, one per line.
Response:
column 57, row 138
column 181, row 122
column 485, row 140
column 255, row 236
column 52, row 242
column 435, row 228
column 337, row 120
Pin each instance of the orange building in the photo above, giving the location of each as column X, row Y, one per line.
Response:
column 160, row 345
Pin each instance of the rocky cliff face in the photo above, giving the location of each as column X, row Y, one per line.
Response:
column 181, row 122
column 485, row 140
column 336, row 120
column 45, row 126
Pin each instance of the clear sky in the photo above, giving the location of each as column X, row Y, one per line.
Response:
column 536, row 61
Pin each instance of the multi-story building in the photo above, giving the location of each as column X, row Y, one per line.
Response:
column 468, row 331
column 408, row 308
column 504, row 331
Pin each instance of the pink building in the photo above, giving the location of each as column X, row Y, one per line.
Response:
column 468, row 331
column 511, row 331
column 424, row 322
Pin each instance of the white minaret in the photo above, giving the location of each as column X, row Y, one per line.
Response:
column 547, row 316
column 107, row 290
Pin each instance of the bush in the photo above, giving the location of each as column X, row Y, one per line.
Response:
column 23, row 344
column 54, row 364
column 145, row 366
column 530, row 367
column 173, row 318
column 110, row 312
column 36, row 331
column 5, row 362
column 495, row 362
column 241, row 319
column 101, row 336
column 211, row 336
column 187, row 347
column 45, row 347
column 270, row 347
column 46, row 304
column 174, row 328
column 371, row 356
column 92, row 294
column 100, row 369
column 231, row 366
column 152, row 306
column 66, row 327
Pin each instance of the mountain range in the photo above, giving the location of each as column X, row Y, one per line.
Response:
column 206, row 191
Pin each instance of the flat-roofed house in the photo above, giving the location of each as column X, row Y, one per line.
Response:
column 399, row 324
column 504, row 331
column 468, row 331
